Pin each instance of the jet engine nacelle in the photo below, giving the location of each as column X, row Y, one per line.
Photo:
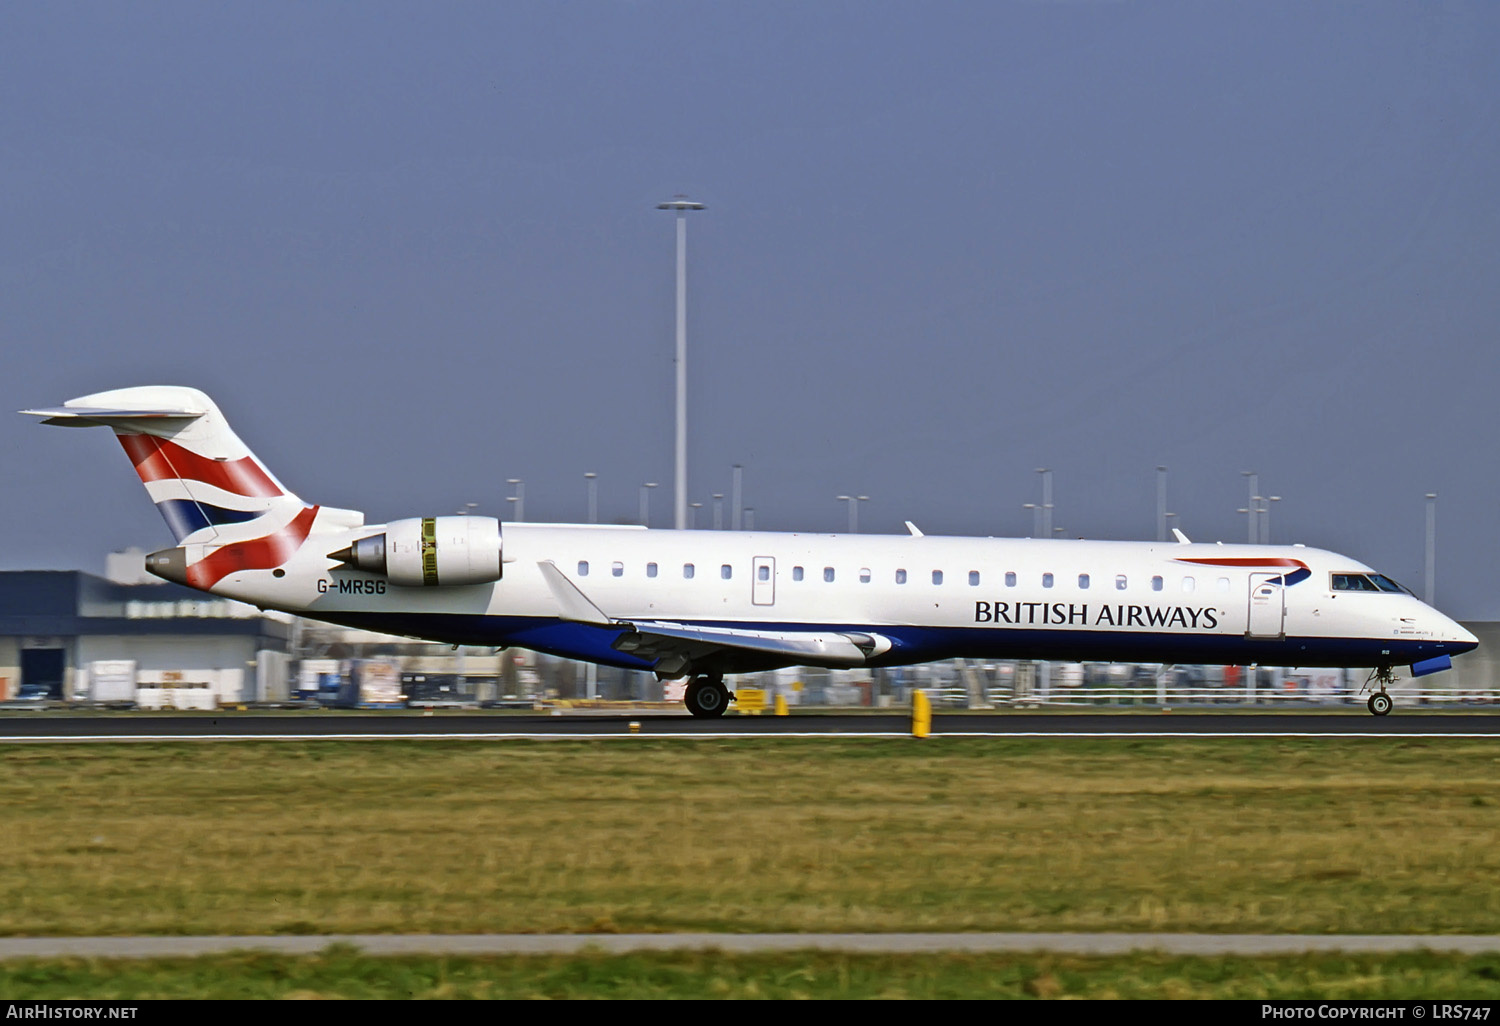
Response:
column 430, row 552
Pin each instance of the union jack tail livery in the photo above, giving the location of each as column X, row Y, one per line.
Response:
column 219, row 501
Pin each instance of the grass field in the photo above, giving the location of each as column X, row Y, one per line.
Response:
column 1255, row 835
column 342, row 973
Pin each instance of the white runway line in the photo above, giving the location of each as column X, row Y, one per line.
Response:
column 726, row 736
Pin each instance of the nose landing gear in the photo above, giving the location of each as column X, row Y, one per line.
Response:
column 1380, row 703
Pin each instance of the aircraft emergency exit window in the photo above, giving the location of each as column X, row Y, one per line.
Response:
column 763, row 572
column 583, row 568
column 937, row 577
column 828, row 574
column 687, row 571
column 1121, row 582
column 864, row 575
column 650, row 569
column 1156, row 583
column 1189, row 584
column 617, row 569
column 900, row 576
column 973, row 578
column 796, row 573
column 1010, row 578
column 1083, row 581
column 1046, row 580
column 726, row 571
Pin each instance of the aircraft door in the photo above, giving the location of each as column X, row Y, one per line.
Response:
column 763, row 580
column 1267, row 607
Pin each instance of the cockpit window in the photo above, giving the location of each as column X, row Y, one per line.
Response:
column 1364, row 582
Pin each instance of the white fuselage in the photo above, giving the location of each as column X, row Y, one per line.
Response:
column 933, row 597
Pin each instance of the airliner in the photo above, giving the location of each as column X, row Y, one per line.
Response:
column 702, row 605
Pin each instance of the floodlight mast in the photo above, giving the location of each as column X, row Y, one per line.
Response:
column 681, row 204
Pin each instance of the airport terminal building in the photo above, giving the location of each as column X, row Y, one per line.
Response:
column 70, row 635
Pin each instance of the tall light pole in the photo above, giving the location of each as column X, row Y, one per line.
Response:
column 693, row 508
column 1036, row 517
column 681, row 204
column 1046, row 501
column 1254, row 480
column 646, row 503
column 853, row 501
column 1161, row 504
column 593, row 483
column 718, row 511
column 519, row 487
column 749, row 518
column 1265, row 521
column 736, row 502
column 1429, row 582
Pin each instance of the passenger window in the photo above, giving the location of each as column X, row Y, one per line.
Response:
column 1156, row 583
column 650, row 569
column 900, row 576
column 828, row 574
column 1083, row 581
column 687, row 571
column 1223, row 584
column 1046, row 580
column 583, row 568
column 617, row 569
column 973, row 578
column 796, row 573
column 937, row 577
column 726, row 571
column 1189, row 584
column 1121, row 583
column 763, row 572
column 1010, row 578
column 864, row 575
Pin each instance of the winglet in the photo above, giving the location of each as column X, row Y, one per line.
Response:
column 1182, row 539
column 913, row 529
column 573, row 603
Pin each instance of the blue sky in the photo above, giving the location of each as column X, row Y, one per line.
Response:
column 412, row 250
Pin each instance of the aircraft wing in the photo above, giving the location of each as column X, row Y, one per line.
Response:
column 673, row 647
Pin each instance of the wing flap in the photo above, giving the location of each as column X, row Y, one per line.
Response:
column 810, row 648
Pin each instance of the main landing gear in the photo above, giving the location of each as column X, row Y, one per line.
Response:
column 707, row 697
column 1380, row 702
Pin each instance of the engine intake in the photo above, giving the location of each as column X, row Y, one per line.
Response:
column 430, row 552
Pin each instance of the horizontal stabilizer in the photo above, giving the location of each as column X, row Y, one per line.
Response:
column 90, row 416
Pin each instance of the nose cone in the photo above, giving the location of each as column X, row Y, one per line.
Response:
column 1457, row 638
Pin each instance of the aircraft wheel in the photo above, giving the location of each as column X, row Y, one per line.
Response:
column 707, row 698
column 1379, row 703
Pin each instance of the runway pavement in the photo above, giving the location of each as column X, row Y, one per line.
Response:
column 658, row 724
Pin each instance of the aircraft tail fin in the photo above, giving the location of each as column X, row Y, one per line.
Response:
column 208, row 486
